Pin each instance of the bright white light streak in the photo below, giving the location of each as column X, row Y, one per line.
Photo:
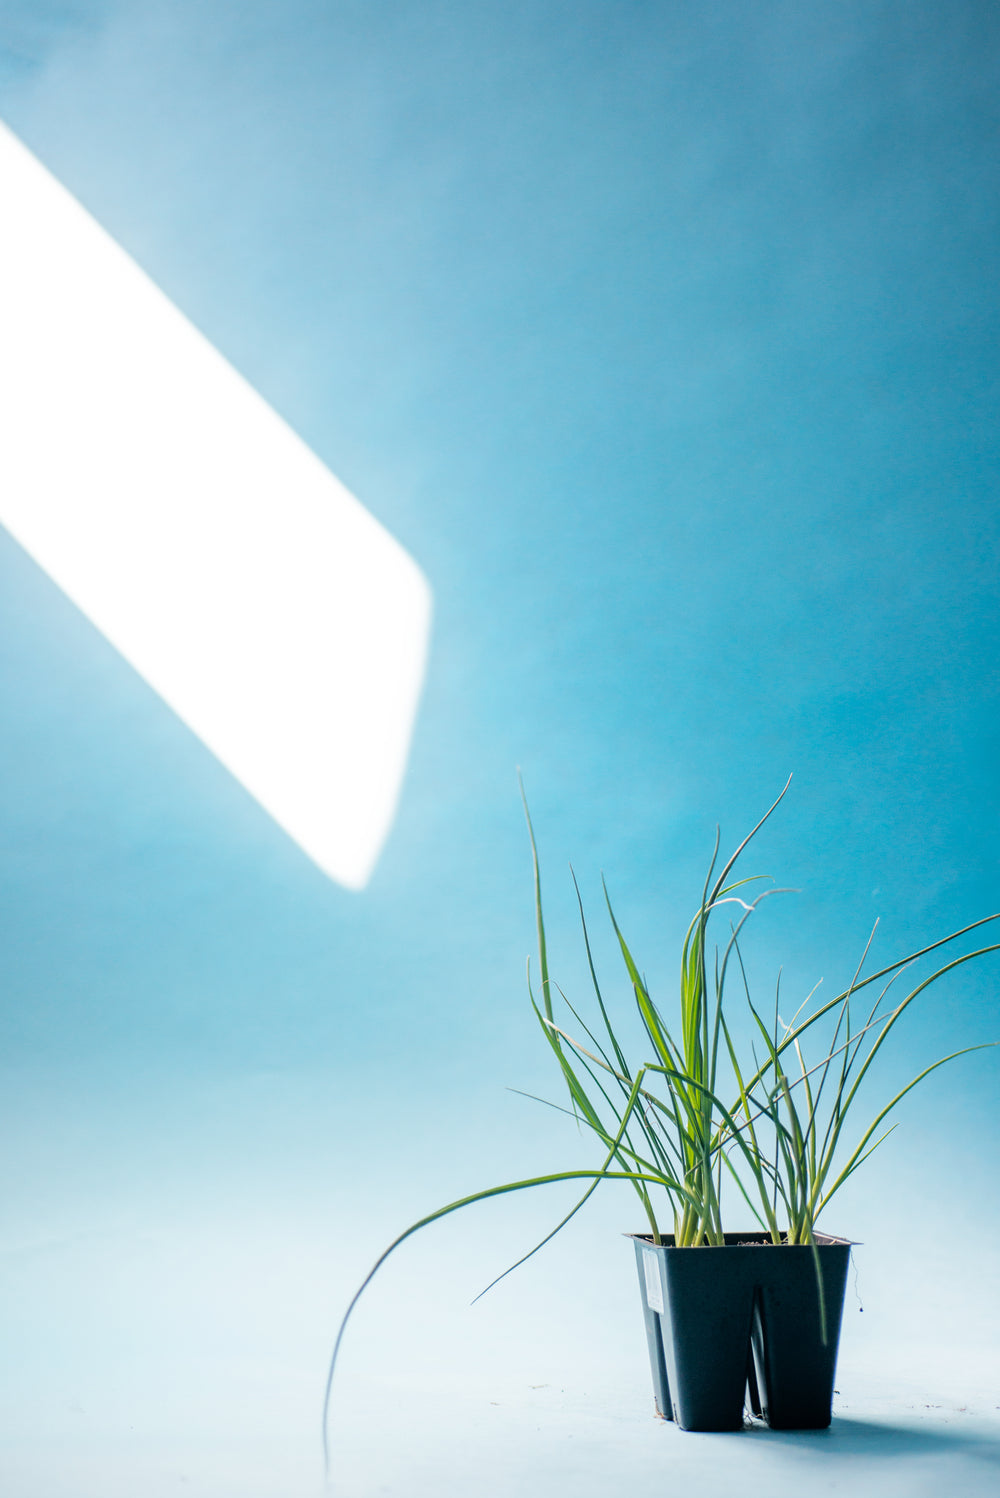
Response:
column 270, row 610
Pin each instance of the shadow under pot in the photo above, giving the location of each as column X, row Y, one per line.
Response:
column 743, row 1319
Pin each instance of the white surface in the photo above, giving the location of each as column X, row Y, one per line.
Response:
column 177, row 1343
column 169, row 1297
column 229, row 1412
column 200, row 535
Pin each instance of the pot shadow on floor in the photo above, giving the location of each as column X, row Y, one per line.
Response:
column 851, row 1436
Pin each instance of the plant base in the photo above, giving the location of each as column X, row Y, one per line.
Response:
column 724, row 1321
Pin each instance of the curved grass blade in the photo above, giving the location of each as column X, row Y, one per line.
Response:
column 465, row 1201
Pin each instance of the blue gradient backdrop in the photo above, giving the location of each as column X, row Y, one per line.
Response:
column 664, row 337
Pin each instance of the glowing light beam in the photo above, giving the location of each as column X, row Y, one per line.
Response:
column 253, row 592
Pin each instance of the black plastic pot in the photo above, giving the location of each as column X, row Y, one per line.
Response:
column 724, row 1321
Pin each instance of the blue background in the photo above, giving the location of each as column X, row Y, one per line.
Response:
column 663, row 337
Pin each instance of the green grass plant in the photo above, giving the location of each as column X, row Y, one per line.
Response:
column 663, row 1125
column 665, row 1119
column 806, row 1112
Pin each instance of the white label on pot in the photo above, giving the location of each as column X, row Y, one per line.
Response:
column 654, row 1289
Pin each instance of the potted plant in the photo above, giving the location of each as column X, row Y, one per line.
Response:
column 725, row 1312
